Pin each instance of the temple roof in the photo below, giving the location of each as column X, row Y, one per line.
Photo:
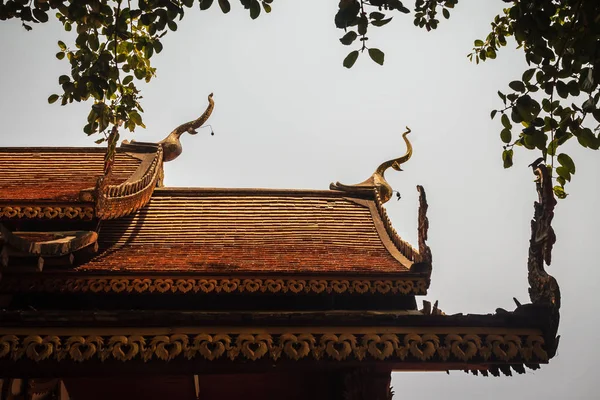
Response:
column 253, row 231
column 57, row 174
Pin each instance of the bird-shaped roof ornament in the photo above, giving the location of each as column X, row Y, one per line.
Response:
column 377, row 180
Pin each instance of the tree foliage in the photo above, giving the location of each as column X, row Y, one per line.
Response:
column 553, row 101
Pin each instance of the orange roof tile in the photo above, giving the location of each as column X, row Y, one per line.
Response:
column 57, row 174
column 251, row 231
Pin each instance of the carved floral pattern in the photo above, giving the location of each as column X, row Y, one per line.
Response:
column 216, row 285
column 292, row 346
column 48, row 212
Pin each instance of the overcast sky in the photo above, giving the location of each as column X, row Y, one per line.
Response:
column 288, row 115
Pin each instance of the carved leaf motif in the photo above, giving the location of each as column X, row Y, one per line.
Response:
column 340, row 286
column 8, row 344
column 80, row 348
column 463, row 348
column 141, row 285
column 274, row 285
column 297, row 347
column 384, row 287
column 338, row 347
column 184, row 285
column 212, row 347
column 254, row 347
column 118, row 285
column 99, row 285
column 39, row 349
column 534, row 347
column 251, row 285
column 504, row 347
column 381, row 347
column 422, row 347
column 318, row 286
column 207, row 285
column 166, row 347
column 229, row 285
column 125, row 348
column 404, row 287
column 296, row 286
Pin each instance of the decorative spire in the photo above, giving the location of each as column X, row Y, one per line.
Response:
column 171, row 145
column 377, row 180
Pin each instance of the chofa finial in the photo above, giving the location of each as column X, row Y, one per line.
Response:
column 171, row 145
column 377, row 180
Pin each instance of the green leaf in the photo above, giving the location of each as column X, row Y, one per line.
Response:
column 172, row 25
column 502, row 96
column 564, row 173
column 560, row 192
column 527, row 75
column 566, row 162
column 350, row 59
column 589, row 105
column 507, row 156
column 381, row 22
column 376, row 15
column 562, row 89
column 348, row 38
column 478, row 43
column 505, row 135
column 127, row 79
column 493, row 114
column 62, row 45
column 63, row 79
column 135, row 117
column 505, row 121
column 446, row 13
column 254, row 9
column 226, row 7
column 52, row 98
column 266, row 7
column 517, row 86
column 205, row 4
column 40, row 15
column 60, row 55
column 377, row 55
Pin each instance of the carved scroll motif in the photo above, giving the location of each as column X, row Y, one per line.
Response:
column 496, row 348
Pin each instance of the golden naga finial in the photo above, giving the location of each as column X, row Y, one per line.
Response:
column 171, row 144
column 377, row 180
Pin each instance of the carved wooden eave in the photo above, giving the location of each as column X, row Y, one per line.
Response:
column 234, row 341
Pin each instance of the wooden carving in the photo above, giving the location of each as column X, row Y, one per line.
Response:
column 377, row 181
column 543, row 287
column 294, row 346
column 171, row 145
column 423, row 227
column 127, row 285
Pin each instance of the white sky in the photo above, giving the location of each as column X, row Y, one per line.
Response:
column 288, row 115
